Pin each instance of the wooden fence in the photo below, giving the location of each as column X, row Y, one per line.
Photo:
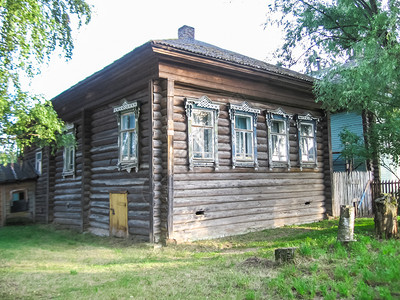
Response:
column 384, row 187
column 352, row 188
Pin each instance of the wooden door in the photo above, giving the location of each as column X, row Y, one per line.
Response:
column 119, row 214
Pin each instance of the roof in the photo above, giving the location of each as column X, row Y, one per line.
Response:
column 208, row 50
column 15, row 172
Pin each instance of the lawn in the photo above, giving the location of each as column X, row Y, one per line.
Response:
column 40, row 262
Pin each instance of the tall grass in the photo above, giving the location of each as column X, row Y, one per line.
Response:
column 39, row 262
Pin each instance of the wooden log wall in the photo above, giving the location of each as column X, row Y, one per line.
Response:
column 105, row 177
column 42, row 198
column 67, row 205
column 159, row 176
column 210, row 203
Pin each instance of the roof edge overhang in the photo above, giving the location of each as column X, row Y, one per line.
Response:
column 82, row 94
column 286, row 77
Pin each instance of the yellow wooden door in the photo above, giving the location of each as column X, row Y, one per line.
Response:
column 119, row 214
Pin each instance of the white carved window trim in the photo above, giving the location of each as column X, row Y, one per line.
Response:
column 125, row 109
column 307, row 119
column 38, row 162
column 244, row 110
column 69, row 151
column 278, row 115
column 193, row 105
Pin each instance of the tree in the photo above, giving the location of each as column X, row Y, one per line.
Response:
column 355, row 45
column 30, row 31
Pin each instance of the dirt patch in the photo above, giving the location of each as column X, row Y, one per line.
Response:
column 259, row 262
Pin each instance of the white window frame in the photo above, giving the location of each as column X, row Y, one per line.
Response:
column 193, row 106
column 127, row 108
column 278, row 116
column 69, row 152
column 307, row 119
column 38, row 162
column 244, row 110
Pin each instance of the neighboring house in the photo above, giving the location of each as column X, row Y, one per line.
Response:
column 17, row 193
column 354, row 122
column 180, row 139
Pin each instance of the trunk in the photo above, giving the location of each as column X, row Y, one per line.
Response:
column 386, row 217
column 285, row 255
column 346, row 224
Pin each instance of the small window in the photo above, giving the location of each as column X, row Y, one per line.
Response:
column 278, row 123
column 244, row 136
column 307, row 133
column 38, row 162
column 202, row 116
column 128, row 127
column 19, row 202
column 69, row 151
column 128, row 136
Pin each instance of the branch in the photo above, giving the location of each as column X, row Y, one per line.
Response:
column 330, row 18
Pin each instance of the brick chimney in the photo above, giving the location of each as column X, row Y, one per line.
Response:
column 186, row 32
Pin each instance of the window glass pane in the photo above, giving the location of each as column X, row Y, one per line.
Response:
column 15, row 196
column 279, row 150
column 239, row 143
column 243, row 122
column 202, row 118
column 202, row 142
column 249, row 144
column 128, row 121
column 132, row 149
column 208, row 143
column 307, row 149
column 278, row 127
column 71, row 158
column 306, row 130
column 125, row 146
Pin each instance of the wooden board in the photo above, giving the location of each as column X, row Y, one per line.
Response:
column 119, row 215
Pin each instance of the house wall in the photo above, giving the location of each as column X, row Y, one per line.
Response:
column 105, row 177
column 5, row 201
column 352, row 122
column 44, row 186
column 242, row 199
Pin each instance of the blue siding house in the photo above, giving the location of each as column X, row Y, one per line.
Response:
column 353, row 122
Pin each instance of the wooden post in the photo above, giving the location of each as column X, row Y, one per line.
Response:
column 285, row 255
column 346, row 224
column 386, row 217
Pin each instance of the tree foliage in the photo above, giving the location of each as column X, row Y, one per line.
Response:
column 355, row 44
column 30, row 31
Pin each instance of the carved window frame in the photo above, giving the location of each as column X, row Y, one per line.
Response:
column 193, row 105
column 127, row 108
column 245, row 110
column 69, row 151
column 307, row 119
column 278, row 115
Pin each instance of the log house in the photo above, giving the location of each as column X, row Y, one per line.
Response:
column 182, row 140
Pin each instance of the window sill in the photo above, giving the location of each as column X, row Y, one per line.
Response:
column 128, row 166
column 68, row 174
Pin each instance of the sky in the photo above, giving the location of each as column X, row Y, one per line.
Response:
column 119, row 26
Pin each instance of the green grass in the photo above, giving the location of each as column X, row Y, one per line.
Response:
column 40, row 262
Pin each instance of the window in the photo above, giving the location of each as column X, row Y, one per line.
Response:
column 244, row 136
column 278, row 123
column 19, row 202
column 69, row 151
column 38, row 162
column 128, row 127
column 307, row 132
column 202, row 116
